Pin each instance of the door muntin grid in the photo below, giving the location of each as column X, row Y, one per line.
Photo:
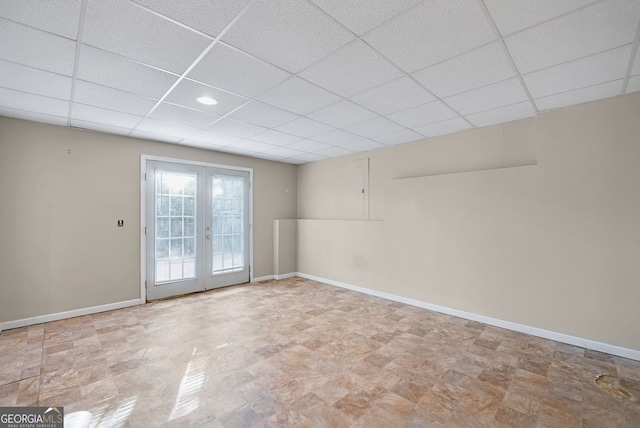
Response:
column 175, row 226
column 227, row 224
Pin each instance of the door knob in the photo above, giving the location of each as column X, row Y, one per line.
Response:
column 208, row 236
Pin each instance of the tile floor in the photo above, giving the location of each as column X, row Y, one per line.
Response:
column 300, row 353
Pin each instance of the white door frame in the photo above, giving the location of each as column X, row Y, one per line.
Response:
column 143, row 211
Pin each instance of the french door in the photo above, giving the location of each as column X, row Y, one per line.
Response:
column 197, row 228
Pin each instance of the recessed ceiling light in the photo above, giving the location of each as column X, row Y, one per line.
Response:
column 207, row 101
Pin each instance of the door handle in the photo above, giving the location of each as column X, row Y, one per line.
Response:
column 208, row 236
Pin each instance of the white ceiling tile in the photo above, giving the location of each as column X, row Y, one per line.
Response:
column 261, row 114
column 511, row 16
column 155, row 136
column 332, row 152
column 483, row 66
column 214, row 138
column 35, row 48
column 400, row 137
column 207, row 16
column 112, row 99
column 201, row 145
column 236, row 128
column 394, row 96
column 488, row 97
column 309, row 157
column 99, row 127
column 183, row 116
column 304, row 127
column 33, row 103
column 117, row 72
column 268, row 157
column 253, row 146
column 589, row 71
column 276, row 138
column 375, row 127
column 502, row 114
column 432, row 32
column 187, row 91
column 351, row 70
column 338, row 137
column 285, row 152
column 119, row 26
column 34, row 81
column 361, row 16
column 290, row 34
column 633, row 85
column 636, row 64
column 445, row 127
column 155, row 126
column 425, row 114
column 103, row 116
column 584, row 95
column 342, row 114
column 294, row 161
column 235, row 71
column 596, row 28
column 237, row 151
column 60, row 17
column 299, row 96
column 308, row 146
column 32, row 116
column 363, row 145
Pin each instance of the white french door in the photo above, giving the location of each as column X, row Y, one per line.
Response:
column 197, row 228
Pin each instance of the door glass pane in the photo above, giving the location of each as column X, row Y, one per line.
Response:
column 175, row 225
column 227, row 223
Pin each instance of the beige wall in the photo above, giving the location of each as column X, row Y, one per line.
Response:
column 535, row 222
column 284, row 247
column 62, row 192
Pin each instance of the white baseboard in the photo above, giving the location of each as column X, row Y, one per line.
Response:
column 7, row 325
column 262, row 278
column 285, row 275
column 632, row 354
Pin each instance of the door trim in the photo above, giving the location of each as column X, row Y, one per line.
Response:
column 143, row 211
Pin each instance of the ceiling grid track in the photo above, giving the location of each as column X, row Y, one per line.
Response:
column 197, row 60
column 83, row 19
column 503, row 45
column 632, row 60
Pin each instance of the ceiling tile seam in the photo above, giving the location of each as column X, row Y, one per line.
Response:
column 171, row 20
column 28, row 111
column 37, row 94
column 498, row 108
column 493, row 26
column 453, row 57
column 578, row 89
column 76, row 61
column 117, row 89
column 21, row 24
column 579, row 58
column 562, row 15
column 632, row 59
column 35, row 68
column 227, row 45
column 196, row 61
column 132, row 60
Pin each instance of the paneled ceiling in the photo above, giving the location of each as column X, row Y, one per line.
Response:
column 303, row 80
